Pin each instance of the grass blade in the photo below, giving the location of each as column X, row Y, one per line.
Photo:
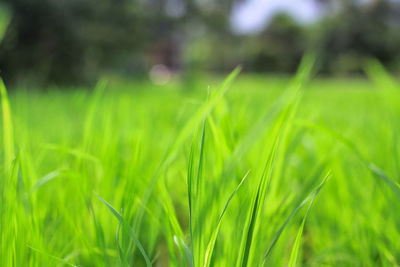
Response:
column 172, row 219
column 278, row 107
column 194, row 198
column 286, row 106
column 63, row 261
column 91, row 112
column 257, row 204
column 181, row 244
column 385, row 82
column 294, row 212
column 296, row 245
column 126, row 226
column 8, row 136
column 47, row 178
column 189, row 183
column 373, row 168
column 191, row 124
column 211, row 244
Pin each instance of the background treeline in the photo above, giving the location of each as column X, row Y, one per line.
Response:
column 74, row 41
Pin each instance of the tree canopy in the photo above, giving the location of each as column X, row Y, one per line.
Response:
column 74, row 41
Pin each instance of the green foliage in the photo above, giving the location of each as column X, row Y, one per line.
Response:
column 68, row 42
column 74, row 42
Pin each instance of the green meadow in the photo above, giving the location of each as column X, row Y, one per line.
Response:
column 246, row 170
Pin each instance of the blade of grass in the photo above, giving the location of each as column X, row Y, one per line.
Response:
column 172, row 219
column 130, row 230
column 193, row 182
column 200, row 165
column 120, row 253
column 384, row 81
column 180, row 243
column 189, row 183
column 52, row 256
column 284, row 117
column 278, row 107
column 296, row 245
column 197, row 241
column 98, row 92
column 8, row 131
column 254, row 212
column 47, row 178
column 170, row 243
column 294, row 212
column 373, row 168
column 211, row 244
column 191, row 124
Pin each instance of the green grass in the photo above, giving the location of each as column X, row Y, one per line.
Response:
column 133, row 174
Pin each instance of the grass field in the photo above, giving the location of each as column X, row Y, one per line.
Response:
column 275, row 171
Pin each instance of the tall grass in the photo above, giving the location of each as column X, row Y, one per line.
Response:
column 233, row 176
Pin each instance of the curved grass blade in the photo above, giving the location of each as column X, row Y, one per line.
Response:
column 294, row 212
column 296, row 245
column 253, row 221
column 47, row 178
column 91, row 112
column 257, row 203
column 189, row 183
column 288, row 97
column 173, row 222
column 187, row 129
column 181, row 244
column 63, row 261
column 211, row 244
column 373, row 168
column 8, row 131
column 169, row 240
column 285, row 109
column 72, row 151
column 198, row 237
column 120, row 252
column 131, row 232
column 201, row 156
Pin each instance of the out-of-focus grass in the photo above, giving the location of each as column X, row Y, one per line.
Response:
column 151, row 152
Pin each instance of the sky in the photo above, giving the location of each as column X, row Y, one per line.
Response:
column 252, row 15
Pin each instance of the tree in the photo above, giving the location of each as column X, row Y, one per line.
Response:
column 280, row 46
column 67, row 41
column 357, row 32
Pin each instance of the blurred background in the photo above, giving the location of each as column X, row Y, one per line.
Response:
column 74, row 42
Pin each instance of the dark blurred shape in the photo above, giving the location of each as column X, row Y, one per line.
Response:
column 69, row 42
column 281, row 46
column 358, row 32
column 73, row 41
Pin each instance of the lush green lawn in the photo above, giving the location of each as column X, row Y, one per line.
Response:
column 137, row 147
